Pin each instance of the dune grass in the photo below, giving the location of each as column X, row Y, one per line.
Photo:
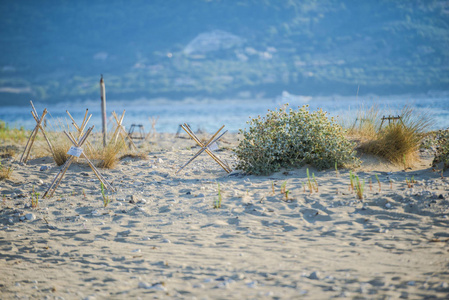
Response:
column 397, row 142
column 5, row 172
column 12, row 134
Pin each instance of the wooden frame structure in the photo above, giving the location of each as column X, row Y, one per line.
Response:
column 390, row 118
column 120, row 131
column 205, row 147
column 78, row 144
column 29, row 145
column 81, row 128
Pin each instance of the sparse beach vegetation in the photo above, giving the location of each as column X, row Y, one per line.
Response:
column 5, row 172
column 12, row 134
column 398, row 141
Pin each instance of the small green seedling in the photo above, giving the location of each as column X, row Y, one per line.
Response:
column 106, row 199
column 336, row 169
column 286, row 195
column 378, row 181
column 315, row 182
column 218, row 201
column 351, row 183
column 410, row 182
column 309, row 182
column 360, row 187
column 283, row 187
column 34, row 199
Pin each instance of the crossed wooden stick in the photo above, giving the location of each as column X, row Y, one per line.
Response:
column 29, row 145
column 205, row 147
column 77, row 151
column 120, row 130
column 81, row 128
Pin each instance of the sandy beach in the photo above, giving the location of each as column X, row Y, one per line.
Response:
column 160, row 237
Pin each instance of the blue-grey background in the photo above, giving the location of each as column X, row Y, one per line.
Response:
column 239, row 55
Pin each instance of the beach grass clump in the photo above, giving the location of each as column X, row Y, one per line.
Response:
column 287, row 138
column 60, row 150
column 366, row 124
column 12, row 134
column 109, row 157
column 399, row 141
column 5, row 172
column 442, row 148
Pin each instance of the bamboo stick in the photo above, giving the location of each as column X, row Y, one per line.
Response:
column 29, row 145
column 204, row 147
column 43, row 132
column 208, row 151
column 103, row 109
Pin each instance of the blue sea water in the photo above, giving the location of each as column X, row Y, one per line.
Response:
column 210, row 114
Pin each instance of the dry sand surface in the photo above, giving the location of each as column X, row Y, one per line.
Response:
column 162, row 238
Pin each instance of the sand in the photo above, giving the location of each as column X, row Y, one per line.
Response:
column 162, row 238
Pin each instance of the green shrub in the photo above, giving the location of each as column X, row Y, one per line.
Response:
column 442, row 153
column 292, row 138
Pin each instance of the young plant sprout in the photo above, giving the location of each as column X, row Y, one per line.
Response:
column 378, row 181
column 360, row 186
column 218, row 201
column 106, row 199
column 316, row 183
column 34, row 199
column 309, row 182
column 352, row 179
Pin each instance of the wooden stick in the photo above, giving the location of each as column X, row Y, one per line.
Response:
column 29, row 145
column 57, row 180
column 204, row 147
column 43, row 132
column 52, row 188
column 26, row 147
column 34, row 135
column 97, row 173
column 208, row 151
column 122, row 131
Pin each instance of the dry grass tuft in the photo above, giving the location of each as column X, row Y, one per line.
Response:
column 8, row 151
column 5, row 173
column 60, row 148
column 367, row 123
column 399, row 142
column 12, row 134
column 109, row 156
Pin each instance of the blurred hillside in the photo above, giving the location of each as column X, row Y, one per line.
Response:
column 56, row 50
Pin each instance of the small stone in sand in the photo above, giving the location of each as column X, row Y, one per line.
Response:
column 314, row 275
column 30, row 217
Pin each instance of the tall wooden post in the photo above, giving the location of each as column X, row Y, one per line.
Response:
column 103, row 109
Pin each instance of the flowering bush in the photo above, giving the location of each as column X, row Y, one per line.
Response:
column 292, row 138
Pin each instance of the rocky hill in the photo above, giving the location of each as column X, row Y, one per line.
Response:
column 53, row 50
